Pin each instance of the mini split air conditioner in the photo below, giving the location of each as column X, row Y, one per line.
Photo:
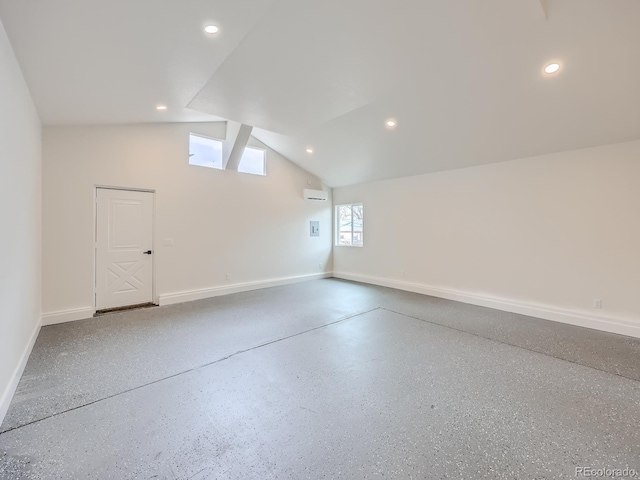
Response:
column 318, row 195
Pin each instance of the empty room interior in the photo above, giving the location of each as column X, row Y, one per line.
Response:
column 324, row 239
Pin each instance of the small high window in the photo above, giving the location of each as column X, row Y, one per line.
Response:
column 254, row 161
column 205, row 152
column 349, row 225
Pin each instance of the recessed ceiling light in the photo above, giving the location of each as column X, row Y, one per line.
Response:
column 211, row 29
column 309, row 150
column 391, row 123
column 161, row 107
column 552, row 68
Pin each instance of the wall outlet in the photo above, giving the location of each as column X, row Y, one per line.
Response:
column 597, row 303
column 167, row 242
column 228, row 277
column 320, row 265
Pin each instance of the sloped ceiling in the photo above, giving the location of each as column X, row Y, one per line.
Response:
column 464, row 79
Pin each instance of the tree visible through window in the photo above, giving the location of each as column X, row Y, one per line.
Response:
column 349, row 225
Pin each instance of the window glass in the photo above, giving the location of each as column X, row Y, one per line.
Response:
column 253, row 161
column 205, row 152
column 350, row 225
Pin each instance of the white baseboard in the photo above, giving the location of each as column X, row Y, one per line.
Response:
column 67, row 316
column 64, row 316
column 171, row 298
column 10, row 389
column 607, row 324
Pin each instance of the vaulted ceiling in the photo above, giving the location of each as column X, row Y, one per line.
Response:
column 463, row 79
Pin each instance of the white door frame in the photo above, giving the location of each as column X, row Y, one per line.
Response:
column 95, row 238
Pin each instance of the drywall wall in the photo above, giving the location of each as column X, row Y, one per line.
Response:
column 20, row 206
column 253, row 228
column 545, row 234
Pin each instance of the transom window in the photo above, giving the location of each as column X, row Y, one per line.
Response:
column 349, row 225
column 253, row 161
column 205, row 151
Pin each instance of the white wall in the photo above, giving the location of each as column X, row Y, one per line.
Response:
column 253, row 228
column 552, row 232
column 20, row 242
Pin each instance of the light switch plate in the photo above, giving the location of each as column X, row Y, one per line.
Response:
column 314, row 229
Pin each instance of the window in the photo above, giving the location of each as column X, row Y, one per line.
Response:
column 254, row 161
column 349, row 225
column 205, row 152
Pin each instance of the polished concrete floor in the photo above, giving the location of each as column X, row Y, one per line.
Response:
column 324, row 379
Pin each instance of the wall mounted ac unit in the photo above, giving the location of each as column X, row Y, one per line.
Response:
column 319, row 195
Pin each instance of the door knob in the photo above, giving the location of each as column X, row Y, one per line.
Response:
column 148, row 252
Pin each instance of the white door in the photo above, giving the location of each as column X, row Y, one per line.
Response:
column 124, row 238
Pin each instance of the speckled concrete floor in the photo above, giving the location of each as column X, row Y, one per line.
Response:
column 298, row 382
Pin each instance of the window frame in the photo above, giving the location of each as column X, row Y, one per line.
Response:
column 336, row 239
